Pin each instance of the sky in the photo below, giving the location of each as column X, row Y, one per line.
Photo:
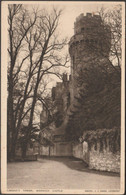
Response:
column 71, row 10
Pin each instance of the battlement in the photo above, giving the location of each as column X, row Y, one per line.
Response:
column 57, row 91
column 90, row 33
column 88, row 15
column 86, row 23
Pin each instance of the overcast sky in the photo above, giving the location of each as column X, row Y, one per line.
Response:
column 73, row 9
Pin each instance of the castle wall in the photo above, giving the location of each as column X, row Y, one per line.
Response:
column 61, row 94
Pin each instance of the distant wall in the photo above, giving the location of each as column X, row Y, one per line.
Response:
column 62, row 149
column 59, row 149
column 44, row 150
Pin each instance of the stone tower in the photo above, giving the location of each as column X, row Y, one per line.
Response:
column 91, row 41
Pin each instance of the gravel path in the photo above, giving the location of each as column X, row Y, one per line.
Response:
column 63, row 173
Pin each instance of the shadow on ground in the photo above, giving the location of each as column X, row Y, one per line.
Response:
column 78, row 164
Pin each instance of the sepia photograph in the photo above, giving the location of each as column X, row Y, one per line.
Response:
column 63, row 102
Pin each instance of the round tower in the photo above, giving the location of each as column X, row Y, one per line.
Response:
column 91, row 40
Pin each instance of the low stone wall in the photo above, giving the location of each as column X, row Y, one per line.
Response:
column 104, row 161
column 62, row 149
column 96, row 159
column 30, row 150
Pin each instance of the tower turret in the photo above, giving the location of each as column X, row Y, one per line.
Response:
column 92, row 39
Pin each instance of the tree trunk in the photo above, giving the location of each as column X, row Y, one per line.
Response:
column 24, row 150
column 10, row 126
column 49, row 151
column 13, row 148
column 8, row 143
column 27, row 137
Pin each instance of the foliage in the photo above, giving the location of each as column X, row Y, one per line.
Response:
column 98, row 104
column 101, row 135
column 113, row 18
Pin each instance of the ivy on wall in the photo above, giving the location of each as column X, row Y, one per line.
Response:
column 101, row 136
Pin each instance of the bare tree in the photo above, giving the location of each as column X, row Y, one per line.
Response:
column 47, row 47
column 113, row 18
column 19, row 25
column 40, row 45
